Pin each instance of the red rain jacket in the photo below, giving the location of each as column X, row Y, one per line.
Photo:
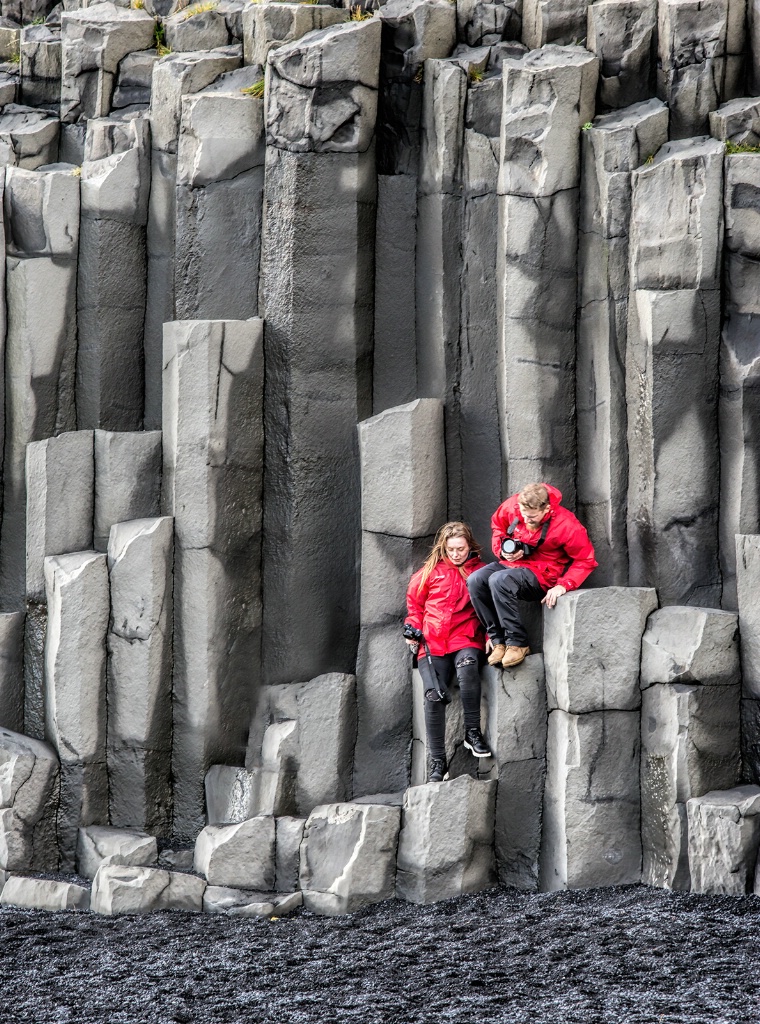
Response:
column 564, row 559
column 441, row 608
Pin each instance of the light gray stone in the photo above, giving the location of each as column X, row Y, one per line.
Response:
column 75, row 689
column 267, row 25
column 121, row 889
column 240, row 855
column 28, row 137
column 231, row 794
column 553, row 21
column 192, row 28
column 689, row 746
column 446, row 841
column 481, row 23
column 12, row 671
column 40, row 64
column 622, row 35
column 348, row 857
column 43, row 894
column 592, row 648
column 99, row 844
column 243, row 903
column 737, row 121
column 289, row 834
column 690, row 645
column 177, row 859
column 747, row 570
column 127, row 479
column 387, row 564
column 28, row 801
column 724, row 835
column 212, row 445
column 592, row 808
column 134, row 79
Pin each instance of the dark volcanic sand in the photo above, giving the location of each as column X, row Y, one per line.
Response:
column 616, row 955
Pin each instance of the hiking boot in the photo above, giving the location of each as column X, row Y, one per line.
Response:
column 498, row 652
column 438, row 770
column 473, row 740
column 514, row 655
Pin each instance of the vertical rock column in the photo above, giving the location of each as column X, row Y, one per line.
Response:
column 403, row 503
column 213, row 446
column 548, row 95
column 672, row 372
column 42, row 236
column 115, row 182
column 611, row 149
column 623, row 36
column 747, row 581
column 316, row 291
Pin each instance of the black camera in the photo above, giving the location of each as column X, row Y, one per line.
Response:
column 410, row 633
column 510, row 547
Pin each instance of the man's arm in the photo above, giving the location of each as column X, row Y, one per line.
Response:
column 579, row 548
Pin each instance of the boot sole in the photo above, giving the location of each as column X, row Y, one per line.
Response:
column 474, row 752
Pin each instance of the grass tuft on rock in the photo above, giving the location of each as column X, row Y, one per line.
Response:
column 200, row 8
column 734, row 148
column 257, row 90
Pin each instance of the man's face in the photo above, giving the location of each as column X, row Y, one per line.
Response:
column 457, row 550
column 533, row 517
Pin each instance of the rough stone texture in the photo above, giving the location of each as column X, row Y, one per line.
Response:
column 689, row 746
column 111, row 285
column 736, row 121
column 212, row 443
column 134, row 80
column 120, row 889
column 43, row 894
column 98, row 845
column 548, row 96
column 28, row 137
column 479, row 23
column 289, row 833
column 747, row 575
column 553, row 21
column 672, row 372
column 12, row 671
column 243, row 903
column 267, row 25
column 140, row 561
column 302, row 740
column 348, row 857
column 691, row 645
column 42, row 233
column 75, row 689
column 622, row 35
column 446, row 840
column 231, row 794
column 750, row 740
column 387, row 564
column 611, row 148
column 93, row 41
column 127, row 479
column 240, row 855
column 28, row 799
column 592, row 809
column 195, row 29
column 592, row 647
column 724, row 835
column 40, row 65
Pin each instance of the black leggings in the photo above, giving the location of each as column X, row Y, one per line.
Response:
column 466, row 664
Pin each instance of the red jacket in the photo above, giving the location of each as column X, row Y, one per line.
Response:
column 441, row 608
column 566, row 556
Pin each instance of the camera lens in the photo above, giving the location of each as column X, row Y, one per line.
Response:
column 509, row 547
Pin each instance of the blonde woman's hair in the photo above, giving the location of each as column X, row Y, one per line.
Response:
column 534, row 496
column 438, row 552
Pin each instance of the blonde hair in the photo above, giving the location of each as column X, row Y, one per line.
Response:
column 534, row 496
column 438, row 552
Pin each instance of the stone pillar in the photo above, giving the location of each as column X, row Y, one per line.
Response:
column 28, row 137
column 553, row 21
column 220, row 184
column 40, row 65
column 737, row 121
column 174, row 76
column 42, row 234
column 316, row 290
column 611, row 148
column 403, row 504
column 672, row 372
column 127, row 480
column 12, row 671
column 115, row 181
column 140, row 566
column 548, row 95
column 747, row 581
column 267, row 25
column 622, row 35
column 213, row 384
column 75, row 690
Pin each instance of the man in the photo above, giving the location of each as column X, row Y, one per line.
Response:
column 543, row 552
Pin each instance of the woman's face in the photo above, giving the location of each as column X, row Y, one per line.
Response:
column 457, row 550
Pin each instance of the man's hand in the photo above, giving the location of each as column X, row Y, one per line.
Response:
column 550, row 597
column 515, row 556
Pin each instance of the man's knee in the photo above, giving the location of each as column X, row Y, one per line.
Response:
column 477, row 582
column 503, row 583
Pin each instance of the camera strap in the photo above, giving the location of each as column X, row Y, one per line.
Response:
column 544, row 530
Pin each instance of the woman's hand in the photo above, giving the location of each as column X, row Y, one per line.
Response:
column 550, row 597
column 489, row 645
column 411, row 643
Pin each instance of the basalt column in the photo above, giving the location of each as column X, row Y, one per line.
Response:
column 548, row 95
column 316, row 296
column 672, row 372
column 213, row 387
column 611, row 149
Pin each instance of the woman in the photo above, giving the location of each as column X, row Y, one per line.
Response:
column 439, row 606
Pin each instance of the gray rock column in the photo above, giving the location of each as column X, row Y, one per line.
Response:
column 553, row 21
column 738, row 121
column 548, row 95
column 12, row 671
column 28, row 137
column 75, row 690
column 127, row 479
column 267, row 25
column 623, row 36
column 747, row 581
column 611, row 148
column 139, row 674
column 115, row 182
column 213, row 383
column 29, row 793
column 724, row 836
column 403, row 479
column 316, row 292
column 40, row 65
column 672, row 372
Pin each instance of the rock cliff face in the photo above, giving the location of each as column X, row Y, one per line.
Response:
column 286, row 286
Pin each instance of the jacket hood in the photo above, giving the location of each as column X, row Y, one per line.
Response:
column 555, row 496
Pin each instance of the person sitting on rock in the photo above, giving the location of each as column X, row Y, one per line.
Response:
column 452, row 639
column 543, row 552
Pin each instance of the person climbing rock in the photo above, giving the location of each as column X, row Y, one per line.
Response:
column 543, row 551
column 452, row 640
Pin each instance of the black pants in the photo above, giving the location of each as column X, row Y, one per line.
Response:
column 495, row 591
column 466, row 664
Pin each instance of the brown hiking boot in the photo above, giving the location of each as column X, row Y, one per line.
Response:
column 514, row 655
column 494, row 658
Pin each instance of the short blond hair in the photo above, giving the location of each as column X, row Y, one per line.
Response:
column 534, row 496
